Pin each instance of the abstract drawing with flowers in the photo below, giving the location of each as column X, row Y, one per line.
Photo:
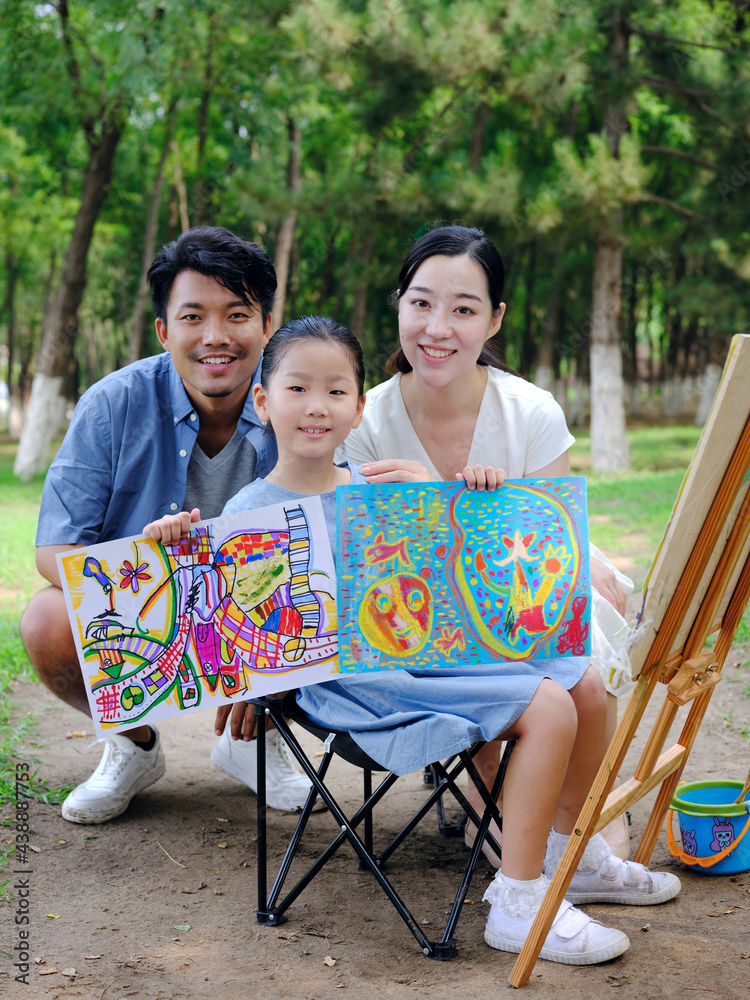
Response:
column 244, row 606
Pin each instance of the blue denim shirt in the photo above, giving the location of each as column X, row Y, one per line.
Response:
column 124, row 459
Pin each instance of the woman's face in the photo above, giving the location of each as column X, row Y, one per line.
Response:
column 445, row 317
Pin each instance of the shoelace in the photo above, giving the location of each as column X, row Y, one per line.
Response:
column 278, row 753
column 112, row 760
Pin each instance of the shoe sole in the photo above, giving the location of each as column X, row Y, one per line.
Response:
column 224, row 764
column 637, row 899
column 633, row 899
column 86, row 817
column 605, row 954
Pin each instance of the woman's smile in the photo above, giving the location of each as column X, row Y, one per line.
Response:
column 436, row 352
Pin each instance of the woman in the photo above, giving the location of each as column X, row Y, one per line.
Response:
column 452, row 403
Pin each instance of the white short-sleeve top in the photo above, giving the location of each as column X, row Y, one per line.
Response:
column 520, row 428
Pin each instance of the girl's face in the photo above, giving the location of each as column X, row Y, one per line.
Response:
column 445, row 317
column 311, row 400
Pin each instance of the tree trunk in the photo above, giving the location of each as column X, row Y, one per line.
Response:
column 10, row 307
column 528, row 345
column 202, row 190
column 179, row 183
column 477, row 135
column 46, row 406
column 344, row 275
column 609, row 446
column 328, row 281
column 138, row 316
column 286, row 233
column 359, row 303
column 544, row 375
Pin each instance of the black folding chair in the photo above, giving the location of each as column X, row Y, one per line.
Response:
column 272, row 908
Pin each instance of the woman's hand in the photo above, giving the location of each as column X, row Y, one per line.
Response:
column 606, row 583
column 172, row 527
column 482, row 477
column 395, row 470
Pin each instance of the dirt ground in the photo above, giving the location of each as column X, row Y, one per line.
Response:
column 113, row 902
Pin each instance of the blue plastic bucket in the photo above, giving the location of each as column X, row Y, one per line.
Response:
column 715, row 838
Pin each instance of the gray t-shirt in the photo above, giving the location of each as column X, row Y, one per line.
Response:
column 263, row 494
column 211, row 480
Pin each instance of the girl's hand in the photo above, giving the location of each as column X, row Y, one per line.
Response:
column 482, row 477
column 172, row 527
column 396, row 470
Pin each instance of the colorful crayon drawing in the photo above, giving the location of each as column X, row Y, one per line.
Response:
column 230, row 613
column 435, row 574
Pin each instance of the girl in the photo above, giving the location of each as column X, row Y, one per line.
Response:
column 311, row 391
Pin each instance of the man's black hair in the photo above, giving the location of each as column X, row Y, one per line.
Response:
column 237, row 264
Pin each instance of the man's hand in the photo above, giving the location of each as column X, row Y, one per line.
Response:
column 243, row 719
column 242, row 722
column 395, row 470
column 606, row 583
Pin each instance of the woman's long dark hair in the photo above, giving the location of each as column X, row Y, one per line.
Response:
column 454, row 241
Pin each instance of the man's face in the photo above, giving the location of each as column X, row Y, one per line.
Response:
column 215, row 339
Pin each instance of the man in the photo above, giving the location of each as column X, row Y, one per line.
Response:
column 176, row 431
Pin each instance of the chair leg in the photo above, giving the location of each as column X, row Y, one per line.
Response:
column 366, row 793
column 263, row 914
column 445, row 829
column 482, row 832
column 270, row 911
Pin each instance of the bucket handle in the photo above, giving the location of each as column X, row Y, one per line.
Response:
column 677, row 852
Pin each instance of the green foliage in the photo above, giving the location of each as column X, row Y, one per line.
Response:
column 411, row 112
column 19, row 504
column 629, row 511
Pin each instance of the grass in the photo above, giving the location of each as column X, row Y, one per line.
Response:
column 628, row 510
column 19, row 509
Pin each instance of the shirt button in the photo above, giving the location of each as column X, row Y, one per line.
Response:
column 173, row 506
column 183, row 453
column 193, row 416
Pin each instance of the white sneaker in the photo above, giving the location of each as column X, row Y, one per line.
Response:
column 123, row 770
column 603, row 878
column 575, row 938
column 286, row 788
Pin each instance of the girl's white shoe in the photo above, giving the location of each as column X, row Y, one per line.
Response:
column 603, row 878
column 574, row 938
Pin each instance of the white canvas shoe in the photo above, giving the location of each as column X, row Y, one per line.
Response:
column 575, row 938
column 286, row 788
column 124, row 770
column 603, row 878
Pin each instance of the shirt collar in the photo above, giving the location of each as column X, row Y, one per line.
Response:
column 182, row 407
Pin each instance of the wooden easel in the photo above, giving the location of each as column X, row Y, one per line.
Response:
column 699, row 584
